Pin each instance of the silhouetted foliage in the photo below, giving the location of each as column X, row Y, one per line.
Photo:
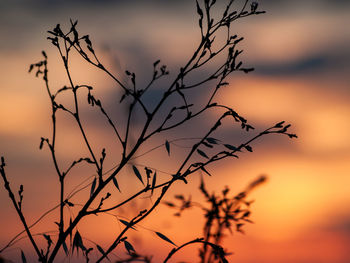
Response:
column 223, row 213
column 176, row 108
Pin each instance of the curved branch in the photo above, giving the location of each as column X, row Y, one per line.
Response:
column 218, row 249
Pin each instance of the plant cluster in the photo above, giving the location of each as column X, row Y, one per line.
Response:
column 156, row 120
column 222, row 213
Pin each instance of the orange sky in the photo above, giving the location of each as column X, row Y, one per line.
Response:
column 300, row 216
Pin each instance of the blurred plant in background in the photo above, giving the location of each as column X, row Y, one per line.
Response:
column 222, row 214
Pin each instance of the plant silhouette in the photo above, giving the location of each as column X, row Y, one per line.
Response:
column 222, row 213
column 175, row 108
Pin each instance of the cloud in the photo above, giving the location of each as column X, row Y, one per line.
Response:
column 334, row 59
column 340, row 224
column 311, row 5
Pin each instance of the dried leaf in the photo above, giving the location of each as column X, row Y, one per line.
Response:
column 93, row 185
column 41, row 143
column 167, row 146
column 230, row 147
column 48, row 239
column 169, row 204
column 148, row 173
column 116, row 183
column 199, row 10
column 78, row 242
column 180, row 197
column 71, row 232
column 207, row 144
column 65, row 248
column 129, row 247
column 126, row 223
column 154, row 182
column 164, row 238
column 212, row 140
column 156, row 63
column 247, row 70
column 254, row 6
column 246, row 214
column 102, row 251
column 279, row 125
column 137, row 173
column 205, row 170
column 202, row 153
column 248, row 148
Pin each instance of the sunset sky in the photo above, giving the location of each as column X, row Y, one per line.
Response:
column 300, row 51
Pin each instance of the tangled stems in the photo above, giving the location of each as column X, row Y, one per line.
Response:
column 156, row 121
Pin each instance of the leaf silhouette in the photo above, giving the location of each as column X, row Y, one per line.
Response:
column 167, row 146
column 129, row 247
column 78, row 242
column 24, row 260
column 102, row 251
column 116, row 183
column 212, row 140
column 207, row 144
column 170, row 204
column 202, row 153
column 93, row 187
column 126, row 223
column 154, row 182
column 156, row 63
column 137, row 173
column 230, row 147
column 199, row 10
column 205, row 170
column 48, row 239
column 164, row 238
column 64, row 245
column 280, row 124
column 248, row 148
column 180, row 197
column 71, row 232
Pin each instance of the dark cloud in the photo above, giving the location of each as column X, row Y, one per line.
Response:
column 304, row 65
column 24, row 22
column 301, row 4
column 326, row 61
column 340, row 224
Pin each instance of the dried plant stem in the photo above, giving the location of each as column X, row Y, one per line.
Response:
column 132, row 136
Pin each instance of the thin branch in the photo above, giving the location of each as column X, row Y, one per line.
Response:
column 217, row 248
column 18, row 210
